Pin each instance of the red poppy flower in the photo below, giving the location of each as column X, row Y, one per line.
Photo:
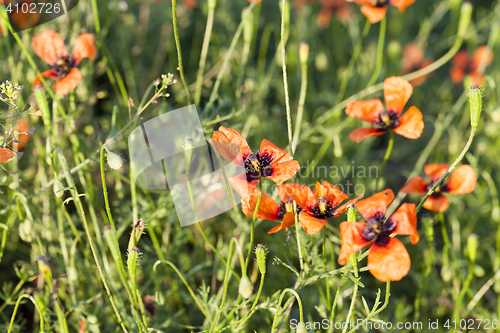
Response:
column 461, row 181
column 313, row 207
column 397, row 92
column 49, row 46
column 375, row 10
column 388, row 259
column 330, row 7
column 464, row 65
column 413, row 60
column 269, row 162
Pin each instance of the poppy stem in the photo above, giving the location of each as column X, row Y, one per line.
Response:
column 253, row 224
column 380, row 52
column 386, row 158
column 179, row 52
column 284, row 21
column 299, row 248
column 325, row 263
column 40, row 313
column 450, row 170
column 299, row 301
column 351, row 217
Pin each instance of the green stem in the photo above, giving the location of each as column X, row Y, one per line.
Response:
column 40, row 313
column 465, row 288
column 334, row 305
column 386, row 158
column 253, row 224
column 380, row 53
column 276, row 315
column 285, row 79
column 300, row 109
column 297, row 233
column 351, row 217
column 96, row 16
column 179, row 52
column 327, row 280
column 105, row 189
column 376, row 311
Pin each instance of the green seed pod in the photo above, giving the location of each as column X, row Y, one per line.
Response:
column 301, row 328
column 303, row 52
column 112, row 241
column 260, row 253
column 58, row 188
column 472, row 247
column 132, row 260
column 476, row 104
column 245, row 288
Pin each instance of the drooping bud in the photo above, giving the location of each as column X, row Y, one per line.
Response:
column 476, row 104
column 303, row 52
column 245, row 288
column 115, row 162
column 58, row 188
column 472, row 247
column 301, row 328
column 261, row 254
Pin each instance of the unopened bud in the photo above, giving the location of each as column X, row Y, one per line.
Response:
column 476, row 104
column 472, row 247
column 115, row 162
column 58, row 188
column 245, row 288
column 260, row 253
column 303, row 52
column 132, row 260
column 139, row 229
column 301, row 328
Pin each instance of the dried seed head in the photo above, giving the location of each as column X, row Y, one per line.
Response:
column 245, row 287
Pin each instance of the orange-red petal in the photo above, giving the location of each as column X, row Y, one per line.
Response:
column 374, row 14
column 288, row 221
column 301, row 194
column 416, row 185
column 22, row 127
column 397, row 91
column 411, row 124
column 435, row 171
column 406, row 221
column 402, row 4
column 390, row 262
column 231, row 145
column 284, row 171
column 482, row 55
column 268, row 208
column 457, row 75
column 311, row 224
column 346, row 206
column 50, row 73
column 352, row 241
column 365, row 110
column 413, row 55
column 437, row 204
column 84, row 48
column 360, row 134
column 49, row 46
column 377, row 203
column 330, row 192
column 462, row 180
column 65, row 84
column 241, row 185
column 324, row 18
column 6, row 155
column 277, row 154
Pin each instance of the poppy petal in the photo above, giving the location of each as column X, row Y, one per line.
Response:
column 397, row 91
column 284, row 171
column 324, row 18
column 365, row 110
column 411, row 124
column 301, row 194
column 374, row 14
column 84, row 48
column 288, row 221
column 22, row 127
column 37, row 83
column 438, row 204
column 311, row 224
column 413, row 55
column 457, row 75
column 402, row 4
column 482, row 55
column 330, row 192
column 461, row 59
column 241, row 185
column 276, row 154
column 406, row 221
column 65, row 84
column 415, row 185
column 346, row 206
column 377, row 203
column 360, row 134
column 49, row 46
column 268, row 208
column 390, row 262
column 462, row 180
column 231, row 153
column 352, row 240
column 6, row 155
column 435, row 171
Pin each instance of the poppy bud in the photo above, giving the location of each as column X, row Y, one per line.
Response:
column 476, row 104
column 303, row 52
column 464, row 21
column 58, row 188
column 260, row 253
column 115, row 162
column 132, row 260
column 245, row 288
column 301, row 328
column 139, row 229
column 472, row 247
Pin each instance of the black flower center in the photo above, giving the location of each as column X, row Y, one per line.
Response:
column 258, row 165
column 63, row 66
column 380, row 3
column 378, row 229
column 438, row 192
column 323, row 209
column 387, row 119
column 287, row 207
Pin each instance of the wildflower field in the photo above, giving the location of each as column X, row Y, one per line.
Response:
column 249, row 166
